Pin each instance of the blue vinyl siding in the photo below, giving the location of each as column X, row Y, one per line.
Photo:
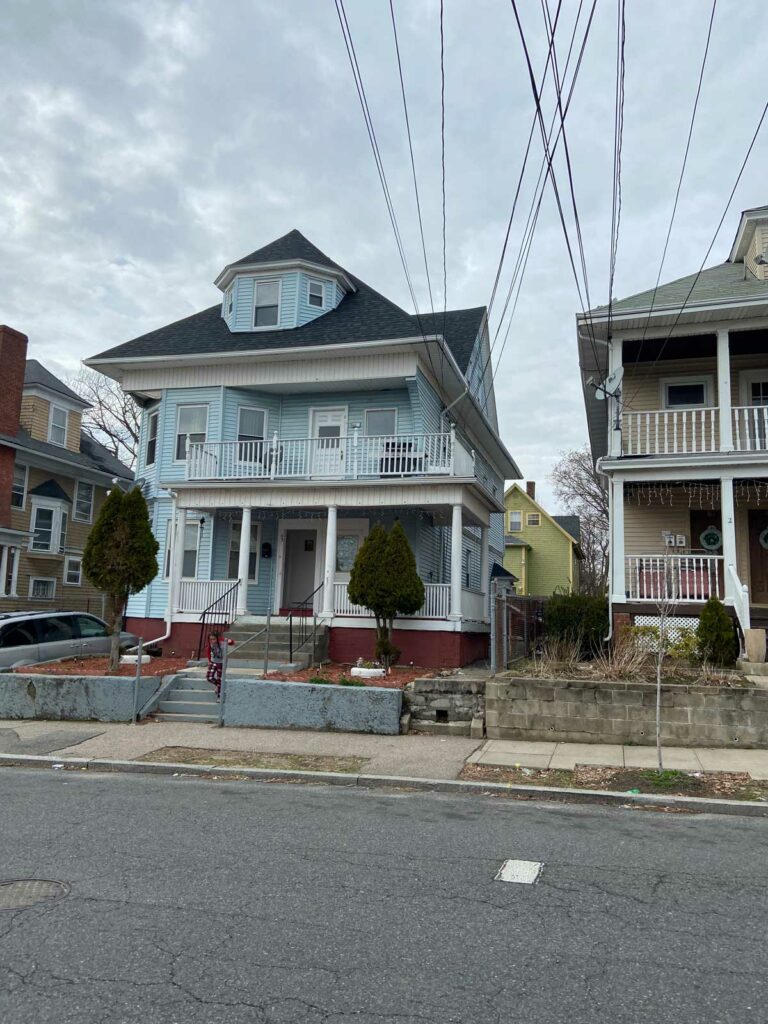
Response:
column 331, row 298
column 296, row 409
column 169, row 468
column 236, row 398
column 242, row 319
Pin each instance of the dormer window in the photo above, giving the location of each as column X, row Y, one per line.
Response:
column 316, row 294
column 57, row 426
column 266, row 303
column 229, row 301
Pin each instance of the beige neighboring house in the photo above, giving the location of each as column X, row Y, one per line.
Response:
column 679, row 427
column 59, row 478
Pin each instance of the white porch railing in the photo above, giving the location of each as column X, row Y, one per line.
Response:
column 681, row 577
column 670, row 432
column 740, row 599
column 352, row 457
column 750, row 428
column 197, row 595
column 437, row 602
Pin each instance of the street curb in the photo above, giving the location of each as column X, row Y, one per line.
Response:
column 456, row 787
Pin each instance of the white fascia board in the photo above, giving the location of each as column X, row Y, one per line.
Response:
column 687, row 467
column 739, row 247
column 232, row 270
column 701, row 306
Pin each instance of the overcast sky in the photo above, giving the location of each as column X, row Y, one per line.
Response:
column 147, row 144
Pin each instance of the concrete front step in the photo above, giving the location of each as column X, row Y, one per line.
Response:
column 194, row 681
column 165, row 716
column 187, row 707
column 753, row 668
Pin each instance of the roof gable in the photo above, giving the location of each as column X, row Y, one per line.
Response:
column 36, row 375
column 50, row 489
column 293, row 246
column 515, row 487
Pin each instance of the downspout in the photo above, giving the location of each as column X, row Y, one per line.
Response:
column 171, row 579
column 610, row 553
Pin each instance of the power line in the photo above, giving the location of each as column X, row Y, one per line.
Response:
column 442, row 155
column 618, row 133
column 711, row 244
column 680, row 179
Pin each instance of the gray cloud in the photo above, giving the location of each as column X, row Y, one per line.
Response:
column 146, row 144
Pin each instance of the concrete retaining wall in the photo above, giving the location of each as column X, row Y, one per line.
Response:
column 84, row 698
column 276, row 705
column 611, row 712
column 446, row 704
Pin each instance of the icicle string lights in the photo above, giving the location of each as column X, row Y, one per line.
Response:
column 696, row 494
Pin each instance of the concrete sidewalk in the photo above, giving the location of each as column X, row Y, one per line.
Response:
column 511, row 753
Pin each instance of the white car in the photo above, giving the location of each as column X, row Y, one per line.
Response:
column 27, row 638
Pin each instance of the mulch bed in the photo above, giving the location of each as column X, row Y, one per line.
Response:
column 254, row 759
column 333, row 673
column 714, row 785
column 99, row 666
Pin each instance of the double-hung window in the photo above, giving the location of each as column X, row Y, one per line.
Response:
column 19, row 486
column 533, row 519
column 83, row 502
column 49, row 528
column 380, row 422
column 57, row 426
column 192, row 424
column 191, row 547
column 73, row 571
column 266, row 304
column 253, row 553
column 251, row 431
column 151, row 454
column 515, row 522
column 316, row 294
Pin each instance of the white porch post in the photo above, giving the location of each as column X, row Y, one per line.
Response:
column 485, row 569
column 330, row 562
column 729, row 535
column 456, row 537
column 243, row 558
column 618, row 584
column 15, row 572
column 724, row 392
column 177, row 558
column 3, row 570
column 615, row 357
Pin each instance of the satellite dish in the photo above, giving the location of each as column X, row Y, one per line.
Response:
column 610, row 386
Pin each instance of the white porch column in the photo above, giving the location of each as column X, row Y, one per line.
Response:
column 456, row 538
column 618, row 584
column 725, row 417
column 615, row 357
column 177, row 558
column 485, row 568
column 330, row 562
column 728, row 516
column 15, row 572
column 3, row 570
column 243, row 558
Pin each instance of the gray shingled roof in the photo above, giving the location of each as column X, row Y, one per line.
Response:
column 510, row 541
column 51, row 489
column 363, row 315
column 571, row 525
column 725, row 281
column 92, row 455
column 36, row 375
column 293, row 246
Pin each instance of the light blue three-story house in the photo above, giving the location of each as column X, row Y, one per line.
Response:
column 280, row 424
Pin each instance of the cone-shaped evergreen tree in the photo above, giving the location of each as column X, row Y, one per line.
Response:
column 120, row 555
column 716, row 635
column 384, row 579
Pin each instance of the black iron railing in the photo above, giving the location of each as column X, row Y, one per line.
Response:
column 219, row 615
column 302, row 623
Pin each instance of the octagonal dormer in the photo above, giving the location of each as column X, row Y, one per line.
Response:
column 283, row 285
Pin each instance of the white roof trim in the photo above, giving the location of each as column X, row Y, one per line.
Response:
column 232, row 270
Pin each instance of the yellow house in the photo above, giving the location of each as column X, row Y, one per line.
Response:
column 541, row 550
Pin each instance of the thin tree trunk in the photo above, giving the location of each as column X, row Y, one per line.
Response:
column 117, row 625
column 658, row 709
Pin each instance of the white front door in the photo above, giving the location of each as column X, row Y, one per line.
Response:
column 328, row 430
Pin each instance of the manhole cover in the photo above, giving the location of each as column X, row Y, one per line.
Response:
column 19, row 893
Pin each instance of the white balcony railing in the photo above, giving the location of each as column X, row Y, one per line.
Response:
column 670, row 432
column 750, row 428
column 437, row 602
column 350, row 458
column 197, row 595
column 680, row 577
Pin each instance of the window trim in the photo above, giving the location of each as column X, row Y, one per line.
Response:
column 154, row 415
column 267, row 280
column 42, row 579
column 76, row 518
column 23, row 505
column 705, row 379
column 319, row 284
column 387, row 408
column 188, row 405
column 254, row 526
column 746, row 379
column 528, row 522
column 251, row 408
column 168, row 556
column 196, row 524
column 510, row 527
column 229, row 301
column 60, row 408
column 67, row 560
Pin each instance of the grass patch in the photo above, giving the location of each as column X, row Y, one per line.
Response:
column 254, row 759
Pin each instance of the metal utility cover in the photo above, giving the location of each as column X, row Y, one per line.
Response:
column 20, row 893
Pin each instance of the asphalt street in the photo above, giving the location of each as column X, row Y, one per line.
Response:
column 198, row 902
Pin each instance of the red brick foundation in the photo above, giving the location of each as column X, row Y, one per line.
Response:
column 429, row 649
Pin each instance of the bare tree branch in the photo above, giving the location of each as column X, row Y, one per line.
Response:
column 580, row 490
column 114, row 419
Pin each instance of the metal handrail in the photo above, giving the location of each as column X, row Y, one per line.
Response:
column 226, row 603
column 304, row 638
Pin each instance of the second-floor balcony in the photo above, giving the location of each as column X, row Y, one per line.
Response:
column 693, row 431
column 351, row 457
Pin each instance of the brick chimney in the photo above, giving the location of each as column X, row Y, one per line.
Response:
column 530, row 489
column 13, row 359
